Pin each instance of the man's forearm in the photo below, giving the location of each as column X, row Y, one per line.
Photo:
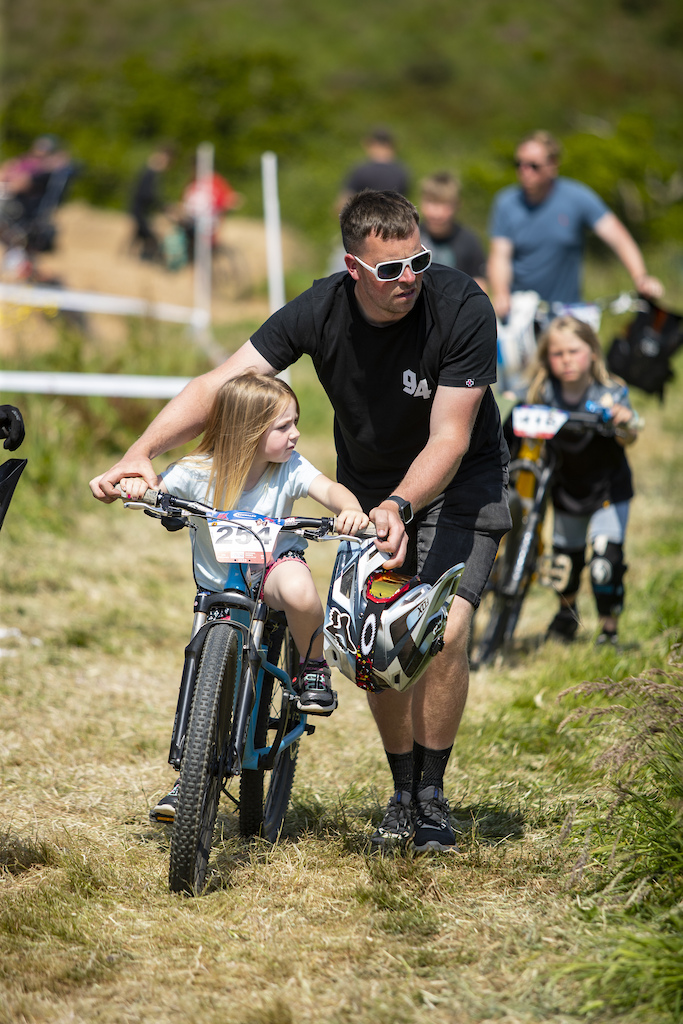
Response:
column 185, row 415
column 430, row 473
column 499, row 274
column 178, row 422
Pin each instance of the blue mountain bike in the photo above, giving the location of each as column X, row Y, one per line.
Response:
column 237, row 709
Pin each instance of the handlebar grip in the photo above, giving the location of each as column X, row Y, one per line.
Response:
column 150, row 497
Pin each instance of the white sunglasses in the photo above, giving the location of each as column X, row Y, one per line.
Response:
column 391, row 270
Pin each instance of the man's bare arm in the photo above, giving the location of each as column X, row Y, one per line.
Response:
column 453, row 415
column 499, row 275
column 178, row 422
column 610, row 229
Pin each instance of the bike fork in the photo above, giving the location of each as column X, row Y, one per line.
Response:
column 182, row 715
column 246, row 697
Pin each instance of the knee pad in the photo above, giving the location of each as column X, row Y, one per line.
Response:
column 607, row 568
column 567, row 567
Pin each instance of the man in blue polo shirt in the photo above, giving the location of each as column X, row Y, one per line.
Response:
column 538, row 228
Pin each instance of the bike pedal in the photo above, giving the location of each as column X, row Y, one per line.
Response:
column 162, row 819
column 309, row 729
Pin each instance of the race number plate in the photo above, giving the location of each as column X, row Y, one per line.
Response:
column 537, row 420
column 243, row 537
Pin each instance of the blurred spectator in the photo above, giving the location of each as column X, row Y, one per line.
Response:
column 381, row 171
column 538, row 230
column 146, row 200
column 31, row 188
column 452, row 244
column 180, row 244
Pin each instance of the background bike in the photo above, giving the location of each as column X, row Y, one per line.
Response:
column 529, row 316
column 520, row 558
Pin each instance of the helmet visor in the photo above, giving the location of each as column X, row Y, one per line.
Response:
column 384, row 586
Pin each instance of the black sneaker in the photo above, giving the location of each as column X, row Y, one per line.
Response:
column 316, row 696
column 164, row 811
column 432, row 824
column 397, row 823
column 564, row 625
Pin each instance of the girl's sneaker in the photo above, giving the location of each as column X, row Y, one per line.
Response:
column 316, row 696
column 164, row 811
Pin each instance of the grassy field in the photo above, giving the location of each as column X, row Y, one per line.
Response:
column 564, row 905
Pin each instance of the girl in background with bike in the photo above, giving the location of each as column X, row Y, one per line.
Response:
column 246, row 460
column 592, row 486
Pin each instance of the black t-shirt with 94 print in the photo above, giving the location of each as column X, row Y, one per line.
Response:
column 381, row 380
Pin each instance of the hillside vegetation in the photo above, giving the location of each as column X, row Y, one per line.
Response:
column 457, row 83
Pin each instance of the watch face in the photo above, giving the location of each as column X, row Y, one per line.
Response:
column 404, row 507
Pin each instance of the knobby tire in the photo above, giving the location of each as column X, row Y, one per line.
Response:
column 264, row 795
column 506, row 608
column 203, row 767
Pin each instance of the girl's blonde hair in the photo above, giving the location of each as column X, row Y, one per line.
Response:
column 541, row 368
column 242, row 411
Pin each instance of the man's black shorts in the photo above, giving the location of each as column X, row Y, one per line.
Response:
column 441, row 535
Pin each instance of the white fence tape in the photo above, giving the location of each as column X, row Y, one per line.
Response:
column 112, row 385
column 43, row 297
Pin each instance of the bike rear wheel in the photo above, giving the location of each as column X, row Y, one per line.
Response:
column 264, row 795
column 203, row 767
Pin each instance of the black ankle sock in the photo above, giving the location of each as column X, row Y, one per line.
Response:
column 429, row 766
column 401, row 769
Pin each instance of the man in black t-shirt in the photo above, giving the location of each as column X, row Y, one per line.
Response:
column 406, row 356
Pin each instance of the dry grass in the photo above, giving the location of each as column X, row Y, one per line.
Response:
column 314, row 929
column 317, row 928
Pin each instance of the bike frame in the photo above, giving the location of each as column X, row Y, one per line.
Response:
column 249, row 617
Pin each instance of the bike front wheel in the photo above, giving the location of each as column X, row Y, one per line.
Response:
column 264, row 795
column 502, row 610
column 203, row 767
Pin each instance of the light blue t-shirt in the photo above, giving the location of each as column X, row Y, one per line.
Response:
column 274, row 495
column 548, row 238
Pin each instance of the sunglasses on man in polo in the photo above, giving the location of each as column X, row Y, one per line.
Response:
column 531, row 164
column 391, row 270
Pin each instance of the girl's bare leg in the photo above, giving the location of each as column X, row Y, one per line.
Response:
column 290, row 589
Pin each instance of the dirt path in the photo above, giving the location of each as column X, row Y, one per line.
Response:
column 94, row 254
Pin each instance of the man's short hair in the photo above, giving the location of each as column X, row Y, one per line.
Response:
column 441, row 187
column 552, row 145
column 381, row 135
column 386, row 214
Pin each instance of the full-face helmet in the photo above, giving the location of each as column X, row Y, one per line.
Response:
column 382, row 629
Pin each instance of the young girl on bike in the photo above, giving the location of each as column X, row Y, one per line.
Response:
column 592, row 486
column 246, row 460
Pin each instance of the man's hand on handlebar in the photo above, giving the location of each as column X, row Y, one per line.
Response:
column 391, row 534
column 104, row 487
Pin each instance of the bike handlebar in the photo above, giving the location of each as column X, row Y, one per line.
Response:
column 165, row 504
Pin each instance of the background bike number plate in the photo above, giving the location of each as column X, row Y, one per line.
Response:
column 537, row 420
column 234, row 543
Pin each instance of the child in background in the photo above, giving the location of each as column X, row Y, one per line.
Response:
column 246, row 460
column 592, row 487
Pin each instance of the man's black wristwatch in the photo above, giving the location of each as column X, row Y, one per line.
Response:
column 405, row 509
